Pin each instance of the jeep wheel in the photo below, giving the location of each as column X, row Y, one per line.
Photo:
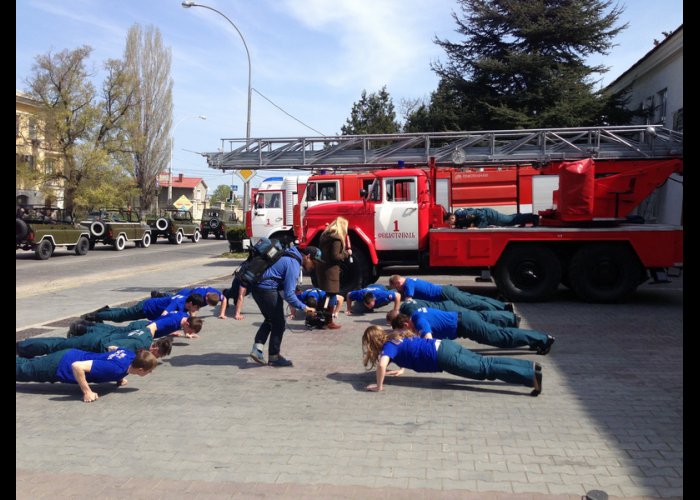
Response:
column 97, row 229
column 195, row 236
column 119, row 243
column 92, row 244
column 146, row 240
column 44, row 250
column 162, row 224
column 21, row 230
column 219, row 235
column 205, row 234
column 213, row 223
column 83, row 246
column 177, row 239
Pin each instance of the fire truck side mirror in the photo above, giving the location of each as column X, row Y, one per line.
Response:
column 363, row 193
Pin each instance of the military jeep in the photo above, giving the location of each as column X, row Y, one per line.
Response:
column 214, row 221
column 116, row 226
column 42, row 229
column 175, row 225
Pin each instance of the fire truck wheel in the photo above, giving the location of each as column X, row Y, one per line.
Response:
column 528, row 273
column 604, row 272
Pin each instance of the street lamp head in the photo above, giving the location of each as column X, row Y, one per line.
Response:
column 188, row 3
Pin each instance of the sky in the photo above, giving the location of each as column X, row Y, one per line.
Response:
column 311, row 58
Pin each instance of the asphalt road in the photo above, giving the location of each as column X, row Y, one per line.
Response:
column 68, row 285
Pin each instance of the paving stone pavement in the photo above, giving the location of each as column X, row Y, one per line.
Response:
column 210, row 423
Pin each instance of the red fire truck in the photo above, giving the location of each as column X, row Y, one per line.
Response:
column 586, row 241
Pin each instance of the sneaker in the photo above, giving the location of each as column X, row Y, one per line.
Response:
column 547, row 346
column 257, row 356
column 279, row 361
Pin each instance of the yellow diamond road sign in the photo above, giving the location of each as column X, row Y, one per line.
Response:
column 246, row 175
column 183, row 203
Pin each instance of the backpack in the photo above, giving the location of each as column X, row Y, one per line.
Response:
column 261, row 256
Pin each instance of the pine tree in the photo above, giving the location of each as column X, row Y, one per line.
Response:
column 522, row 65
column 373, row 114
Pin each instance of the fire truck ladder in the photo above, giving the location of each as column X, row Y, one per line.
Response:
column 536, row 146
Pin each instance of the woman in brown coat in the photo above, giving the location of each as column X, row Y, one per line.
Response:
column 334, row 252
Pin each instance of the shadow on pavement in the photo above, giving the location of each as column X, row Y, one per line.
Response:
column 359, row 381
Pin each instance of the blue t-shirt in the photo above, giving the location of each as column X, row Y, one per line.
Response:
column 165, row 325
column 283, row 275
column 153, row 308
column 316, row 293
column 415, row 353
column 440, row 324
column 177, row 303
column 133, row 341
column 106, row 366
column 381, row 296
column 419, row 289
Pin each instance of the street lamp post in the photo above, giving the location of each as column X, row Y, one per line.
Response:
column 189, row 3
column 172, row 143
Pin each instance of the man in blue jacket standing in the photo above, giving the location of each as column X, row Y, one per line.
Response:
column 277, row 285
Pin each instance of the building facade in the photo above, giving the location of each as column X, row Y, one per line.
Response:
column 655, row 86
column 188, row 193
column 37, row 180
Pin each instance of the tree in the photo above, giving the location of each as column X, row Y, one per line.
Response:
column 221, row 194
column 522, row 65
column 373, row 114
column 81, row 125
column 148, row 126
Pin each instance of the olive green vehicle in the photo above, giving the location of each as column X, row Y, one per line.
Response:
column 115, row 227
column 214, row 222
column 43, row 229
column 175, row 225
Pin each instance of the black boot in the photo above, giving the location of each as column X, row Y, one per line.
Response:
column 155, row 294
column 92, row 316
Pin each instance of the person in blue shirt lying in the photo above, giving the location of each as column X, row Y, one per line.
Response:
column 373, row 296
column 148, row 309
column 170, row 324
column 134, row 340
column 73, row 366
column 318, row 300
column 485, row 217
column 407, row 350
column 414, row 288
column 500, row 318
column 212, row 296
column 466, row 324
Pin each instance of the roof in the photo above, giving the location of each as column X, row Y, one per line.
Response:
column 186, row 183
column 656, row 48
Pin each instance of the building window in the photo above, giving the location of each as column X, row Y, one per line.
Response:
column 660, row 107
column 678, row 120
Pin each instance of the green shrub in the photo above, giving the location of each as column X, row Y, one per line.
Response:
column 235, row 237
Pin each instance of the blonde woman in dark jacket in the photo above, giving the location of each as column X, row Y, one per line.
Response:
column 334, row 251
